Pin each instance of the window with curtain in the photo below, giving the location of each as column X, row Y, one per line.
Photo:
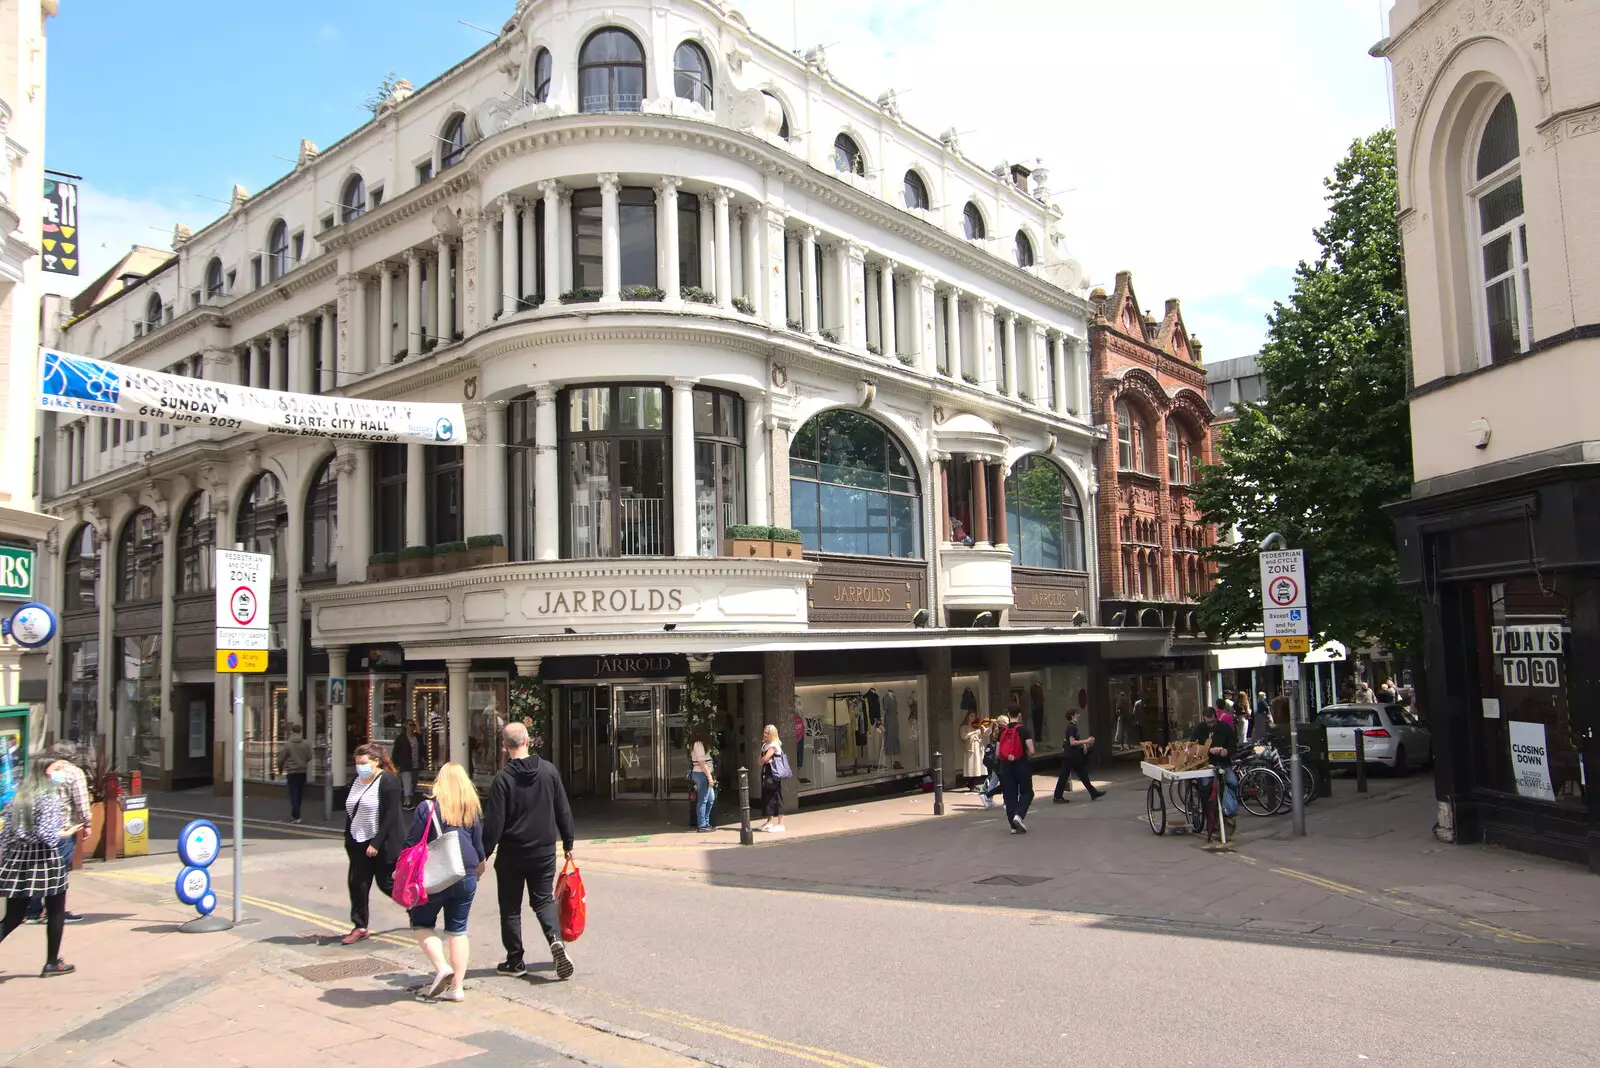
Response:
column 322, row 521
column 446, row 516
column 853, row 489
column 916, row 191
column 1044, row 519
column 263, row 520
column 1496, row 194
column 616, row 449
column 521, row 416
column 278, row 250
column 353, row 201
column 197, row 541
column 543, row 65
column 81, row 571
column 453, row 141
column 691, row 75
column 718, row 466
column 388, row 498
column 139, row 558
column 972, row 222
column 611, row 72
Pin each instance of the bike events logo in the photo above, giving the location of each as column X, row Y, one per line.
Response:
column 71, row 384
column 444, row 430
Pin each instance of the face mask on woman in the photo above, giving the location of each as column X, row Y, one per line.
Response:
column 366, row 771
column 60, row 778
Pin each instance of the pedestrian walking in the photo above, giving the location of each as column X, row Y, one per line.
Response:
column 1075, row 761
column 526, row 813
column 294, row 757
column 452, row 805
column 74, row 788
column 36, row 821
column 771, row 784
column 373, row 835
column 1014, row 748
column 704, row 779
column 991, row 762
column 973, row 773
column 405, row 762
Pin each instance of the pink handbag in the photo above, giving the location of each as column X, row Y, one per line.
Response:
column 410, row 889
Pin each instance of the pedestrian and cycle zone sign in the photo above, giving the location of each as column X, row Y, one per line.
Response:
column 244, row 582
column 1285, row 616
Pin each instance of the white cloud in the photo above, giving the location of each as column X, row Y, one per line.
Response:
column 1187, row 142
column 110, row 225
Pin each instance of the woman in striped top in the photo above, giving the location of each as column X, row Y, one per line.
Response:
column 373, row 835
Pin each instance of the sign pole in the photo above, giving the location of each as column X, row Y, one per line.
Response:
column 1286, row 602
column 244, row 639
column 238, row 794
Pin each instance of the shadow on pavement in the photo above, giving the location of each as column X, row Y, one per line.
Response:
column 367, row 999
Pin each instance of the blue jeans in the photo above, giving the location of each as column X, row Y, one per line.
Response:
column 456, row 903
column 66, row 847
column 705, row 794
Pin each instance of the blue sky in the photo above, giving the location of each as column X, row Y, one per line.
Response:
column 1186, row 141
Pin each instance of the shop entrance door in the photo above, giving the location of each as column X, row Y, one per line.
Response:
column 650, row 742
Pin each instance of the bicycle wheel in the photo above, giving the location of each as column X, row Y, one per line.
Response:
column 1261, row 792
column 1176, row 789
column 1195, row 804
column 1155, row 808
column 1310, row 787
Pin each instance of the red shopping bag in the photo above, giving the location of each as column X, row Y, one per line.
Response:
column 571, row 901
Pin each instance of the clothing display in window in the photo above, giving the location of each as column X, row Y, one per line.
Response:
column 1036, row 707
column 891, row 724
column 969, row 701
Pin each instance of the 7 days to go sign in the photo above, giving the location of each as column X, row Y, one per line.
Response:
column 244, row 581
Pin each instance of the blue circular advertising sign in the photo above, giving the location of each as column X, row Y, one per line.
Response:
column 198, row 845
column 32, row 625
column 207, row 904
column 193, row 886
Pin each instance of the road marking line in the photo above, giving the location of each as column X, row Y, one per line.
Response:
column 1317, row 880
column 757, row 1040
column 1509, row 935
column 845, row 1057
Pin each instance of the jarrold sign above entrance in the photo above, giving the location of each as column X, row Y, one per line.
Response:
column 610, row 602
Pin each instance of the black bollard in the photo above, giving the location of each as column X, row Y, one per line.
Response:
column 746, row 835
column 938, row 784
column 1361, row 760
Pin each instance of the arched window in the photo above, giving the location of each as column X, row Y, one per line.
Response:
column 1124, row 436
column 322, row 521
column 853, row 489
column 783, row 124
column 972, row 222
column 278, row 250
column 610, row 72
column 263, row 520
column 1133, row 440
column 1177, row 450
column 82, row 571
column 1496, row 193
column 691, row 74
column 139, row 558
column 847, row 157
column 916, row 191
column 1024, row 250
column 353, row 201
column 197, row 539
column 1044, row 518
column 214, row 278
column 152, row 311
column 453, row 141
column 542, row 67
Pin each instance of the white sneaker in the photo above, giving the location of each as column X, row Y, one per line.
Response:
column 1021, row 828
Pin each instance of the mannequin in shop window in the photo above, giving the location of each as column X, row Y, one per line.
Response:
column 891, row 730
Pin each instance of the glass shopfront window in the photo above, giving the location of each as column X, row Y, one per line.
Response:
column 853, row 489
column 374, row 713
column 139, row 701
column 1523, row 737
column 266, row 727
column 850, row 732
column 1157, row 708
column 616, row 443
column 80, row 712
column 718, row 466
column 429, row 722
column 487, row 700
column 317, row 717
column 1045, row 695
column 521, row 415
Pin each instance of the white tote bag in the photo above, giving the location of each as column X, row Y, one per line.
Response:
column 445, row 867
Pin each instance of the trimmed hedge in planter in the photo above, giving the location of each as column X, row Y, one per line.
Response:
column 582, row 295
column 382, row 566
column 643, row 293
column 416, row 560
column 485, row 549
column 745, row 304
column 697, row 295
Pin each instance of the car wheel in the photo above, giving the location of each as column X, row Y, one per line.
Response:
column 1427, row 761
column 1400, row 761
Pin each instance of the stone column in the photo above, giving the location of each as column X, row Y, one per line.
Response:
column 354, row 359
column 546, row 477
column 528, row 281
column 1008, row 347
column 1075, row 376
column 952, row 331
column 443, row 292
column 416, row 495
column 297, row 356
column 755, row 466
column 888, row 329
column 853, row 293
column 472, row 472
column 808, row 280
column 980, row 502
column 610, row 237
column 1040, row 363
column 413, row 304
column 494, row 504
column 294, row 623
column 386, row 351
column 708, row 243
column 775, row 267
column 997, row 662
column 940, row 713
column 353, row 468
column 777, row 709
column 941, row 515
column 684, row 539
column 986, row 346
column 724, row 243
column 552, row 243
column 564, row 248
column 274, row 354
column 750, row 230
column 338, row 715
column 998, row 481
column 667, row 212
column 327, row 379
column 169, row 585
column 459, row 721
column 508, row 262
column 793, row 273
column 778, row 465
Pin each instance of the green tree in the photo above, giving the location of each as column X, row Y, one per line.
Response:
column 1331, row 443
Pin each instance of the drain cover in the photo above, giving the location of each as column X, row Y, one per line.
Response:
column 1013, row 880
column 343, row 969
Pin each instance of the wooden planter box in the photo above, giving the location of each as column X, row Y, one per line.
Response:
column 746, row 549
column 486, row 555
column 415, row 568
column 451, row 561
column 382, row 572
column 785, row 550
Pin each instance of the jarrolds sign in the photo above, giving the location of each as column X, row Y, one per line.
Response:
column 600, row 602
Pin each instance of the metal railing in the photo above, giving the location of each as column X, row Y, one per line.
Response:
column 638, row 528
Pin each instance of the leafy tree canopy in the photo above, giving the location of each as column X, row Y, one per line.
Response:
column 1331, row 443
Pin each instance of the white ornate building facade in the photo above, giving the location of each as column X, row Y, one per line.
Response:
column 682, row 281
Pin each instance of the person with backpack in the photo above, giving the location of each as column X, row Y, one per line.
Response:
column 452, row 805
column 1014, row 750
column 774, row 769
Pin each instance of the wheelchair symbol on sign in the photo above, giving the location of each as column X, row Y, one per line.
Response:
column 1296, row 614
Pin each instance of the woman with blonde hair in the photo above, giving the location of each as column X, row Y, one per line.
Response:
column 771, row 784
column 37, row 821
column 452, row 805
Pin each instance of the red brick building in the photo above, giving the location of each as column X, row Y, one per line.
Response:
column 1149, row 392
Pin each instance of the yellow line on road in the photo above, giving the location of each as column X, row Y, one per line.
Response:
column 760, row 1041
column 1317, row 880
column 1509, row 935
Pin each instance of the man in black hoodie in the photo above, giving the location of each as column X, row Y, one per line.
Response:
column 527, row 808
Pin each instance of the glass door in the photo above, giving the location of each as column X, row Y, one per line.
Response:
column 674, row 743
column 579, row 772
column 634, row 712
column 430, row 723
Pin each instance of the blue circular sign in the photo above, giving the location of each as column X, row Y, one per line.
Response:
column 198, row 844
column 207, row 904
column 193, row 886
column 32, row 625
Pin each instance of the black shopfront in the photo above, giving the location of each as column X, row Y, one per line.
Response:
column 1508, row 573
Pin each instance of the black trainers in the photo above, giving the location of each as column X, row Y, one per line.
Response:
column 1058, row 799
column 57, row 967
column 558, row 953
column 71, row 917
column 515, row 969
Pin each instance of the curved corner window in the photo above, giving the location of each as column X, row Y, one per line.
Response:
column 82, row 571
column 453, row 141
column 616, row 494
column 847, row 157
column 278, row 250
column 718, row 466
column 197, row 538
column 691, row 74
column 263, row 520
column 1496, row 203
column 353, row 199
column 972, row 222
column 916, row 191
column 611, row 72
column 322, row 522
column 543, row 66
column 853, row 489
column 1024, row 249
column 1044, row 517
column 636, row 216
column 214, row 278
column 139, row 558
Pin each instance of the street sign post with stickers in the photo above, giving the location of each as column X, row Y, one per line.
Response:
column 1286, row 631
column 244, row 636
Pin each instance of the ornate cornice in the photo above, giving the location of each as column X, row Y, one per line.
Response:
column 1565, row 125
column 185, row 324
column 430, row 194
column 275, row 293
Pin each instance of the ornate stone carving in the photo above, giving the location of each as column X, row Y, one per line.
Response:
column 1420, row 55
column 1564, row 127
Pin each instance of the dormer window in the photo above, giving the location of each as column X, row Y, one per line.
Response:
column 972, row 223
column 847, row 157
column 1024, row 250
column 916, row 192
column 353, row 201
column 611, row 72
